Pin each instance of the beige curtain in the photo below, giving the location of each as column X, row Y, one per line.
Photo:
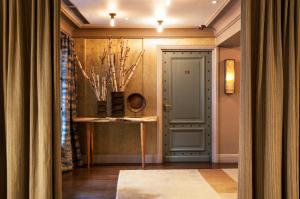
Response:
column 269, row 139
column 29, row 94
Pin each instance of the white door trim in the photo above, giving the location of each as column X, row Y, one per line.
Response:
column 159, row 109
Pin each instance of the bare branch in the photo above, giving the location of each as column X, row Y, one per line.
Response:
column 133, row 67
column 112, row 67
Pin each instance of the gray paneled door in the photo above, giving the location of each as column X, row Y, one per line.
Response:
column 187, row 106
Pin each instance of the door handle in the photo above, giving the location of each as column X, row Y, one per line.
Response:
column 167, row 107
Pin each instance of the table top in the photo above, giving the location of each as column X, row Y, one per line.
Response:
column 116, row 119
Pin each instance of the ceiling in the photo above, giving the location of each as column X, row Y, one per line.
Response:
column 145, row 13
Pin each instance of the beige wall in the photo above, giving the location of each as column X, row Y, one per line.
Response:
column 229, row 105
column 124, row 138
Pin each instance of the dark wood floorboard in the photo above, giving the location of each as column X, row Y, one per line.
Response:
column 101, row 180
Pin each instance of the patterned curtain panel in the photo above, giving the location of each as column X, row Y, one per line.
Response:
column 70, row 148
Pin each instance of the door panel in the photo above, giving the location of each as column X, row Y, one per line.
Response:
column 191, row 72
column 187, row 92
column 187, row 139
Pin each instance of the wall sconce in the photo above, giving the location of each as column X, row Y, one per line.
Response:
column 229, row 76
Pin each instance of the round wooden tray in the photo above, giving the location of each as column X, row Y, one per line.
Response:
column 136, row 102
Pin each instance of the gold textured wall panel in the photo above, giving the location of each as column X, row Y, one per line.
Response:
column 112, row 139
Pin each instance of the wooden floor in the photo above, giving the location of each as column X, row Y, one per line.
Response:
column 101, row 180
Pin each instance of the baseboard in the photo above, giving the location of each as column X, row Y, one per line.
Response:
column 203, row 158
column 152, row 158
column 98, row 159
column 228, row 158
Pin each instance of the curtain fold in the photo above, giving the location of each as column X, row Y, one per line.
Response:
column 29, row 95
column 3, row 44
column 269, row 138
column 71, row 154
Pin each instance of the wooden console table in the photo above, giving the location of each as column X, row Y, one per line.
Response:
column 89, row 121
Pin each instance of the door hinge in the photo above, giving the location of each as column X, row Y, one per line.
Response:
column 167, row 107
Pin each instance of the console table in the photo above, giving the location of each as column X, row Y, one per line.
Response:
column 90, row 121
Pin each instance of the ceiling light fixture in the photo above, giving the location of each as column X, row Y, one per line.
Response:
column 214, row 2
column 112, row 19
column 160, row 25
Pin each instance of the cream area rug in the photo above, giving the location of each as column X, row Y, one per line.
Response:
column 175, row 184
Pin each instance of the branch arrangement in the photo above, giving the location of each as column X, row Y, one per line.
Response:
column 98, row 81
column 120, row 74
column 112, row 70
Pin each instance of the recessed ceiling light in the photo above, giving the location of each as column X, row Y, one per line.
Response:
column 160, row 25
column 168, row 2
column 112, row 19
column 160, row 12
column 214, row 2
column 112, row 6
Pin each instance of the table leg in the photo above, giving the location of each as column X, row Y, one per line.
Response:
column 92, row 144
column 143, row 138
column 88, row 144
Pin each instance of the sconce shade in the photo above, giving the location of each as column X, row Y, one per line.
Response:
column 229, row 76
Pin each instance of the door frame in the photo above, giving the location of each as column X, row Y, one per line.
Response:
column 214, row 102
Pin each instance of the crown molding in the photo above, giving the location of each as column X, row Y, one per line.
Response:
column 229, row 25
column 97, row 33
column 217, row 12
column 70, row 15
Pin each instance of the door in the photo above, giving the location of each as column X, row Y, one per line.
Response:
column 187, row 106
